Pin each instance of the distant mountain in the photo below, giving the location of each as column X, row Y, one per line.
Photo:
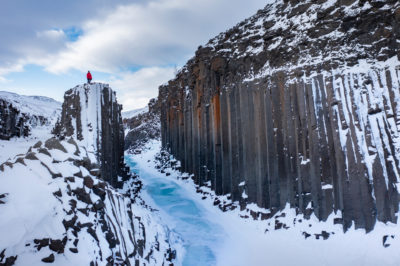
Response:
column 141, row 126
column 135, row 112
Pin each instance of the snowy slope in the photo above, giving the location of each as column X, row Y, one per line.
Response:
column 135, row 112
column 33, row 105
column 55, row 208
column 57, row 204
column 37, row 113
column 143, row 126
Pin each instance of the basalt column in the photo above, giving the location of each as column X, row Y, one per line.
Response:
column 92, row 115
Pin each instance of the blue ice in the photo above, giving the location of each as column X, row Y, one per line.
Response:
column 184, row 216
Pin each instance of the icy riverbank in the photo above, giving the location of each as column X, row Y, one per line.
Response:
column 213, row 237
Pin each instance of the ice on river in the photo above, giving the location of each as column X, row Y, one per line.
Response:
column 201, row 236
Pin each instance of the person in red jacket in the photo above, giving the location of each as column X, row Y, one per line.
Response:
column 89, row 77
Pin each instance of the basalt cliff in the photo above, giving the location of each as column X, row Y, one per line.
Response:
column 299, row 105
column 69, row 200
column 92, row 115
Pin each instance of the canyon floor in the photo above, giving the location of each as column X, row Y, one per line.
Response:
column 208, row 236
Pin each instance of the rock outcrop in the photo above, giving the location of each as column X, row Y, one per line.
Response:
column 92, row 115
column 296, row 105
column 143, row 127
column 12, row 123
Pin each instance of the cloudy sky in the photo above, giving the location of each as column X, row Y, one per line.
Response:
column 47, row 46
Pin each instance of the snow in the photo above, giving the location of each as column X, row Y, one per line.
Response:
column 32, row 105
column 10, row 148
column 90, row 96
column 244, row 241
column 135, row 112
column 30, row 210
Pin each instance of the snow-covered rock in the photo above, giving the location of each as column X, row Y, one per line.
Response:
column 142, row 127
column 33, row 105
column 54, row 207
column 92, row 115
column 19, row 114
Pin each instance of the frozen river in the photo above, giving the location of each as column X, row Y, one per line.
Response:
column 183, row 215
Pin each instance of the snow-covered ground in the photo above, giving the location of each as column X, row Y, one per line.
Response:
column 236, row 241
column 10, row 148
column 55, row 207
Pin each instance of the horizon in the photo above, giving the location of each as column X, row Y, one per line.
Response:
column 134, row 46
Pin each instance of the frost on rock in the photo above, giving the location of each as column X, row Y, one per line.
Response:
column 55, row 208
column 301, row 104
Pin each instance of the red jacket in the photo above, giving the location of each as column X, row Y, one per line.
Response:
column 88, row 75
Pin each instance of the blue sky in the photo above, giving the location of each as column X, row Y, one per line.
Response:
column 47, row 46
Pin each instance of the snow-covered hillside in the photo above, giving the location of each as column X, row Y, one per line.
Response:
column 143, row 126
column 135, row 112
column 33, row 105
column 23, row 121
column 55, row 208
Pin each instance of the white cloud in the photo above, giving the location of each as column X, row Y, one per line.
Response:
column 51, row 35
column 10, row 68
column 4, row 80
column 158, row 32
column 135, row 89
column 150, row 34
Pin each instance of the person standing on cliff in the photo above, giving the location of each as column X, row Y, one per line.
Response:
column 89, row 77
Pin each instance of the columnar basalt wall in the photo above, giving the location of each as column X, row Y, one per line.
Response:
column 12, row 123
column 92, row 115
column 273, row 118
